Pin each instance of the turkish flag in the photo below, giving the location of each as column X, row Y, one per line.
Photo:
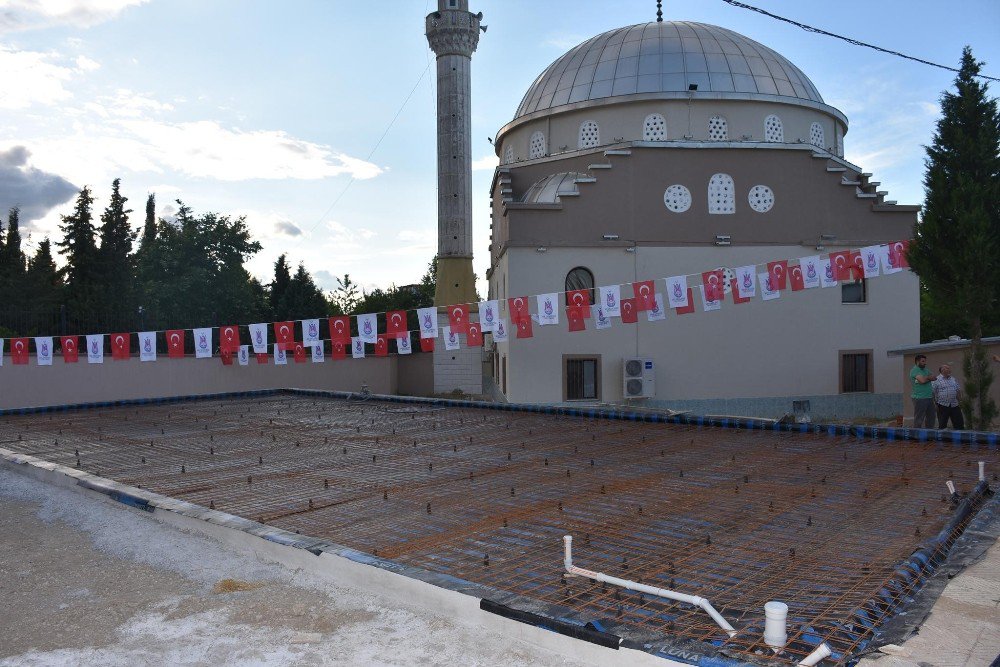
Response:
column 299, row 353
column 19, row 351
column 381, row 346
column 70, row 349
column 226, row 356
column 524, row 328
column 426, row 344
column 714, row 282
column 575, row 318
column 630, row 314
column 519, row 309
column 684, row 310
column 474, row 336
column 857, row 266
column 229, row 339
column 897, row 254
column 796, row 279
column 175, row 343
column 840, row 262
column 340, row 329
column 579, row 299
column 262, row 357
column 120, row 346
column 284, row 334
column 458, row 317
column 778, row 272
column 644, row 295
column 338, row 350
column 395, row 323
column 736, row 292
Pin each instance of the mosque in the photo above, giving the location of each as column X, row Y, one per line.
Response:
column 674, row 148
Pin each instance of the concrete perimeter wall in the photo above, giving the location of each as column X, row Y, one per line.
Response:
column 62, row 383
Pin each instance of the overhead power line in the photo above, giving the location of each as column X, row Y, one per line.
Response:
column 849, row 40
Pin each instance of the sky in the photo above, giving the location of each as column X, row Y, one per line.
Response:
column 315, row 119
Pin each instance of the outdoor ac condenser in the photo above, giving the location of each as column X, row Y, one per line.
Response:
column 638, row 378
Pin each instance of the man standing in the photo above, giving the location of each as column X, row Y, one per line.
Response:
column 946, row 396
column 922, row 393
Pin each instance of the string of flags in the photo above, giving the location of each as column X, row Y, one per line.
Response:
column 745, row 283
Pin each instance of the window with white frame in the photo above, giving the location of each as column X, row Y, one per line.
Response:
column 721, row 195
column 536, row 145
column 654, row 128
column 718, row 128
column 590, row 135
column 773, row 130
column 816, row 137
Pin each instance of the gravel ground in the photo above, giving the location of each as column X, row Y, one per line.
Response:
column 87, row 582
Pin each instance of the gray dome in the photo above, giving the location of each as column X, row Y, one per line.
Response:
column 549, row 189
column 666, row 57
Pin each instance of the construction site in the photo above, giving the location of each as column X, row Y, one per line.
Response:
column 843, row 528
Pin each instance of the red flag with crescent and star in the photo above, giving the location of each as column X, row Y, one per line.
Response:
column 229, row 339
column 299, row 353
column 630, row 314
column 796, row 279
column 70, row 349
column 645, row 296
column 340, row 329
column 575, row 318
column 226, row 356
column 338, row 350
column 458, row 317
column 857, row 266
column 579, row 299
column 381, row 346
column 778, row 272
column 519, row 309
column 395, row 323
column 736, row 292
column 284, row 335
column 474, row 335
column 685, row 310
column 897, row 254
column 714, row 283
column 524, row 329
column 840, row 263
column 426, row 344
column 175, row 343
column 19, row 351
column 120, row 346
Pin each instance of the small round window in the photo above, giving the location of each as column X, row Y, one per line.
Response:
column 677, row 198
column 761, row 198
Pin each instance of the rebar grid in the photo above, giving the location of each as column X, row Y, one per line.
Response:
column 739, row 517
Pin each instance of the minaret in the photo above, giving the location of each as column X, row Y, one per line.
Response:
column 453, row 34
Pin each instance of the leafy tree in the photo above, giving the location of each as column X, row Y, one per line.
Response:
column 79, row 248
column 43, row 285
column 114, row 256
column 303, row 298
column 347, row 294
column 956, row 251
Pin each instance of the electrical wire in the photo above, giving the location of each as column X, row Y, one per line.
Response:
column 849, row 40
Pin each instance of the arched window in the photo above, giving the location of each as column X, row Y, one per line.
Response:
column 508, row 154
column 590, row 136
column 654, row 128
column 536, row 145
column 773, row 130
column 721, row 194
column 580, row 278
column 816, row 137
column 718, row 128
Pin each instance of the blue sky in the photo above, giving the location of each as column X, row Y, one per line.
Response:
column 269, row 110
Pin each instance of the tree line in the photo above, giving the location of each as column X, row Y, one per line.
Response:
column 182, row 272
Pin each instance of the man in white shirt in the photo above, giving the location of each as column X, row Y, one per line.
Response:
column 947, row 393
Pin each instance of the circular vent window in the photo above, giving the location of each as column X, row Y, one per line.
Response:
column 761, row 198
column 677, row 198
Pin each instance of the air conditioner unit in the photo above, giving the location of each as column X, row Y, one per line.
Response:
column 638, row 378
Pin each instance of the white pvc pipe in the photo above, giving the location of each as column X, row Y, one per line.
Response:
column 982, row 471
column 775, row 626
column 822, row 651
column 951, row 487
column 642, row 588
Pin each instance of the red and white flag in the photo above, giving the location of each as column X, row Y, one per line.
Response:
column 258, row 338
column 501, row 334
column 677, row 292
column 310, row 331
column 458, row 317
column 299, row 353
column 95, row 349
column 812, row 269
column 870, row 259
column 340, row 329
column 707, row 304
column 202, row 343
column 519, row 309
column 229, row 338
column 645, row 293
column 450, row 339
column 548, row 311
column 318, row 350
column 43, row 350
column 630, row 314
column 70, row 346
column 840, row 262
column 244, row 355
column 489, row 314
column 689, row 308
column 714, row 283
column 427, row 321
column 426, row 344
column 898, row 254
column 367, row 327
column 737, row 295
column 338, row 350
column 656, row 312
column 227, row 357
column 768, row 290
column 19, row 351
column 746, row 282
column 262, row 358
column 120, row 344
column 474, row 335
column 357, row 347
column 381, row 346
column 175, row 343
column 403, row 344
column 147, row 346
column 580, row 299
column 524, row 328
column 575, row 319
column 395, row 323
column 284, row 335
column 280, row 356
column 796, row 279
column 610, row 297
column 779, row 274
column 857, row 266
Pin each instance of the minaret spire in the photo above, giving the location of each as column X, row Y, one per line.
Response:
column 659, row 11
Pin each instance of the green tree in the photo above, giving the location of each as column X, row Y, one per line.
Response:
column 149, row 227
column 303, row 298
column 79, row 248
column 43, row 285
column 115, row 262
column 279, row 286
column 956, row 250
column 347, row 295
column 12, row 263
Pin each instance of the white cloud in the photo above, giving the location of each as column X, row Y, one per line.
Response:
column 30, row 14
column 85, row 64
column 488, row 162
column 31, row 77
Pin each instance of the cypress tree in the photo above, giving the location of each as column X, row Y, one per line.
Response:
column 43, row 284
column 80, row 250
column 282, row 279
column 114, row 256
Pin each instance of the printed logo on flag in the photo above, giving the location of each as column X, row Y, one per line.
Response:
column 548, row 307
column 313, row 330
column 244, row 355
column 367, row 328
column 428, row 322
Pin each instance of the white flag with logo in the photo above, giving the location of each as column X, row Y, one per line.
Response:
column 548, row 309
column 43, row 350
column 811, row 270
column 310, row 331
column 450, row 339
column 428, row 322
column 1, row 352
column 500, row 333
column 280, row 357
column 601, row 319
column 870, row 256
column 746, row 281
column 147, row 346
column 706, row 304
column 202, row 342
column 677, row 291
column 258, row 337
column 826, row 277
column 368, row 328
column 489, row 312
column 95, row 349
column 887, row 266
column 610, row 297
column 767, row 291
column 657, row 312
column 357, row 347
column 403, row 344
column 318, row 351
column 244, row 355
